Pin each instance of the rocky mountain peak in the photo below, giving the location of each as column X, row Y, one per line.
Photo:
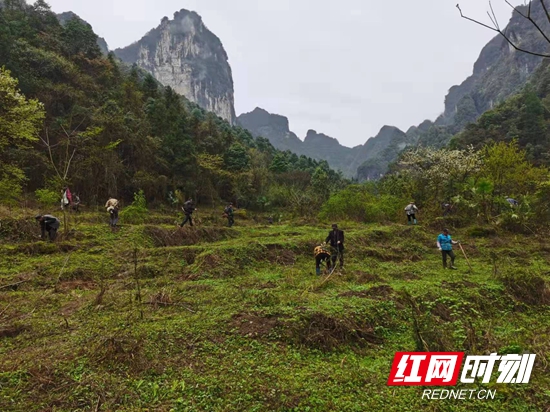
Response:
column 69, row 15
column 183, row 54
column 273, row 127
column 312, row 137
column 500, row 70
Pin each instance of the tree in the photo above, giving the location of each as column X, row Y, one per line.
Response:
column 506, row 168
column 20, row 121
column 236, row 158
column 439, row 174
column 80, row 39
column 279, row 163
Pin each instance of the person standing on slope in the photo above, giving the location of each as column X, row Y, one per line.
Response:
column 66, row 198
column 229, row 213
column 411, row 210
column 445, row 245
column 188, row 209
column 336, row 239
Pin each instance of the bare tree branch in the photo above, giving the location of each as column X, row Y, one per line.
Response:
column 69, row 165
column 494, row 16
column 528, row 17
column 493, row 21
column 475, row 21
column 502, row 33
column 545, row 9
column 47, row 142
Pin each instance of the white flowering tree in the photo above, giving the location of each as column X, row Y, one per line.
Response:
column 440, row 174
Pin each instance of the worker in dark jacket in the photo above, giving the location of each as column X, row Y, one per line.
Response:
column 188, row 209
column 50, row 224
column 229, row 213
column 336, row 239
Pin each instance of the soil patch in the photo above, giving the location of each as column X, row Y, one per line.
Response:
column 282, row 257
column 268, row 285
column 320, row 331
column 79, row 284
column 12, row 331
column 442, row 311
column 527, row 288
column 116, row 351
column 363, row 277
column 186, row 236
column 253, row 325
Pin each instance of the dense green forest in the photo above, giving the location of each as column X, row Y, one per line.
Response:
column 73, row 116
column 106, row 129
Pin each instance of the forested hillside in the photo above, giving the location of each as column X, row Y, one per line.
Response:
column 112, row 130
column 524, row 117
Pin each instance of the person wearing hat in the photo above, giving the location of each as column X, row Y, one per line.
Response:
column 411, row 210
column 50, row 224
column 336, row 239
column 445, row 245
column 229, row 213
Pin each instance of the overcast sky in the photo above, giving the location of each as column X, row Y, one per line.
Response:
column 344, row 68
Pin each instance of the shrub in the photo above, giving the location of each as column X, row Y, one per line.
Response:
column 47, row 197
column 360, row 204
column 10, row 191
column 137, row 212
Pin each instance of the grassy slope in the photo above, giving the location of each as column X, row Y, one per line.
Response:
column 237, row 320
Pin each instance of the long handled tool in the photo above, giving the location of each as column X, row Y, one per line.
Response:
column 467, row 260
column 333, row 268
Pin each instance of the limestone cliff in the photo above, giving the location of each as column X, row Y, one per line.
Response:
column 183, row 54
column 500, row 70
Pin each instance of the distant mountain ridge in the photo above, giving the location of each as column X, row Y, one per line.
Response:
column 320, row 146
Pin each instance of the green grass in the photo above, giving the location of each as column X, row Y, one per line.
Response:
column 237, row 320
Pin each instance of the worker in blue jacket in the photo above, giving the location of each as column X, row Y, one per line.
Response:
column 445, row 244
